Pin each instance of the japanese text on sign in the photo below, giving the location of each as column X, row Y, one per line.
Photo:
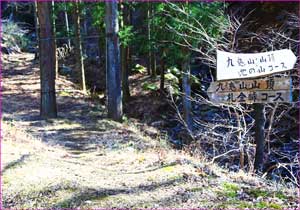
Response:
column 235, row 66
column 253, row 84
column 251, row 97
column 251, row 91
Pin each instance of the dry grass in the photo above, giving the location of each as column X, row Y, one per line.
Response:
column 37, row 175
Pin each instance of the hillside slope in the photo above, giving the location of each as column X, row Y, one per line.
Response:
column 81, row 159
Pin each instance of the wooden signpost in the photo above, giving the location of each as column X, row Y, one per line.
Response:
column 228, row 89
column 231, row 67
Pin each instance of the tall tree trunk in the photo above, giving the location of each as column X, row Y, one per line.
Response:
column 85, row 30
column 125, row 82
column 14, row 7
column 260, row 120
column 67, row 24
column 152, row 48
column 186, row 86
column 36, row 23
column 54, row 37
column 78, row 47
column 153, row 64
column 162, row 72
column 47, row 61
column 125, row 57
column 149, row 61
column 113, row 68
column 101, row 42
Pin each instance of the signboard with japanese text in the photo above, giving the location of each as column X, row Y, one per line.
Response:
column 268, row 90
column 251, row 97
column 250, row 84
column 241, row 65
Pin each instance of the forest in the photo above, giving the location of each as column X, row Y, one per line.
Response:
column 143, row 104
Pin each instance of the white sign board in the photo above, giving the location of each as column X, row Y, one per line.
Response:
column 242, row 65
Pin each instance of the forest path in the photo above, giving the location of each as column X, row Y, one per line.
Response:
column 89, row 161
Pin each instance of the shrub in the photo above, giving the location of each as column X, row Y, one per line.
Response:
column 14, row 37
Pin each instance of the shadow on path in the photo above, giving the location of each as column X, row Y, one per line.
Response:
column 15, row 163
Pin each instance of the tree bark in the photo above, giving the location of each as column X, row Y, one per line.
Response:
column 78, row 47
column 153, row 65
column 47, row 61
column 162, row 72
column 54, row 38
column 152, row 49
column 113, row 68
column 36, row 23
column 260, row 120
column 125, row 83
column 149, row 61
column 67, row 24
column 186, row 86
column 125, row 58
column 14, row 7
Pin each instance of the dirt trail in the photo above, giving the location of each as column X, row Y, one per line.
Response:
column 81, row 159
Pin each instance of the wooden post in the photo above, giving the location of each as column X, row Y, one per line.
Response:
column 260, row 120
column 240, row 140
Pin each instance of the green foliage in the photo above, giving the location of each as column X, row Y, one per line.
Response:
column 258, row 193
column 280, row 195
column 173, row 25
column 195, row 80
column 14, row 36
column 231, row 194
column 126, row 32
column 230, row 189
column 150, row 86
column 125, row 119
column 168, row 168
column 263, row 204
column 171, row 78
column 243, row 204
column 274, row 206
column 61, row 30
column 98, row 14
column 187, row 20
column 263, row 193
column 64, row 93
column 230, row 186
column 139, row 68
column 126, row 35
column 174, row 71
